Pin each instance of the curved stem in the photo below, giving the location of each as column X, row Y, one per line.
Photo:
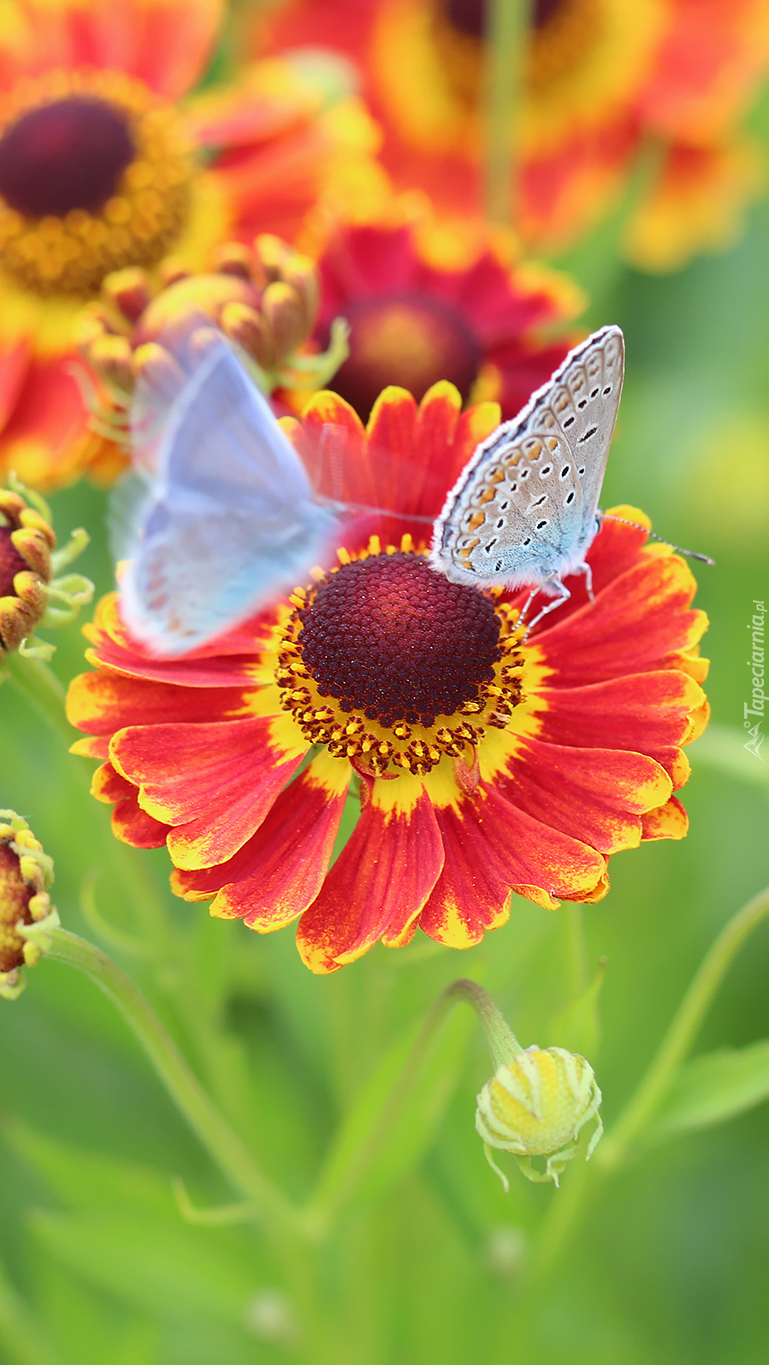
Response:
column 217, row 1137
column 507, row 27
column 683, row 1030
column 334, row 1186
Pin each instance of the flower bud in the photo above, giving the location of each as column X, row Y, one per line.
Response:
column 26, row 542
column 537, row 1105
column 29, row 596
column 26, row 913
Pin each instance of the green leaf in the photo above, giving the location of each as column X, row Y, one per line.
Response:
column 175, row 1272
column 713, row 1088
column 90, row 1180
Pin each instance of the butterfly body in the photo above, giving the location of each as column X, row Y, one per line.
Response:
column 525, row 508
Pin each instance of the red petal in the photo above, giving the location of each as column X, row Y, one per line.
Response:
column 378, row 884
column 668, row 822
column 643, row 616
column 643, row 713
column 108, row 786
column 490, row 845
column 217, row 782
column 279, row 872
column 134, row 826
column 595, row 795
column 102, row 702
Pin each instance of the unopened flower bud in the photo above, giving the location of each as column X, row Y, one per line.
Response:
column 536, row 1106
column 26, row 913
column 29, row 595
column 26, row 542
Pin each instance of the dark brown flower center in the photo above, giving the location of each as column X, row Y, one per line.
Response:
column 69, row 154
column 391, row 638
column 408, row 339
column 14, row 905
column 469, row 16
column 11, row 562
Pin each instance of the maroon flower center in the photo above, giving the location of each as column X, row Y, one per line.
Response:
column 14, row 905
column 391, row 638
column 408, row 339
column 469, row 16
column 11, row 562
column 69, row 154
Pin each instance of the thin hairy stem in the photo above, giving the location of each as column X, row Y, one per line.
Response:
column 215, row 1134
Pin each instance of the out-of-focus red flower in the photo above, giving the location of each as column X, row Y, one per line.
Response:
column 101, row 168
column 425, row 302
column 604, row 80
column 483, row 764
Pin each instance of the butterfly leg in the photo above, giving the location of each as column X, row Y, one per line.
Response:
column 588, row 572
column 563, row 596
column 527, row 604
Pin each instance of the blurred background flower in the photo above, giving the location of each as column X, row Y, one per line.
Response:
column 101, row 169
column 604, row 81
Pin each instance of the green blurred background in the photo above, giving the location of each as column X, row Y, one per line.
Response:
column 669, row 1263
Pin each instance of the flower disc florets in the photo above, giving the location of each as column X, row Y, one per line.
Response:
column 537, row 1105
column 26, row 872
column 388, row 663
column 95, row 174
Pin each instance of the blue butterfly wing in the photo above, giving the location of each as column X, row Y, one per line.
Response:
column 233, row 521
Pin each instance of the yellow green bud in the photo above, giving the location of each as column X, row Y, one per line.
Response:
column 536, row 1106
column 26, row 913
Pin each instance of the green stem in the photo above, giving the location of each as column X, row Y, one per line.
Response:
column 205, row 1120
column 507, row 27
column 683, row 1030
column 333, row 1191
column 503, row 1044
column 37, row 682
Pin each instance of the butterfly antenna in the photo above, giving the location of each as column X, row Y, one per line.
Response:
column 690, row 554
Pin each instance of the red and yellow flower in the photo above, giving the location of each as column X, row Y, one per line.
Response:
column 427, row 301
column 484, row 763
column 603, row 79
column 102, row 169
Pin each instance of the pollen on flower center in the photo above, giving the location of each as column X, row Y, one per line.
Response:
column 410, row 339
column 69, row 154
column 95, row 175
column 395, row 639
column 388, row 663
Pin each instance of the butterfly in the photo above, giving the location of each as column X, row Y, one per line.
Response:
column 525, row 507
column 223, row 515
column 220, row 512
